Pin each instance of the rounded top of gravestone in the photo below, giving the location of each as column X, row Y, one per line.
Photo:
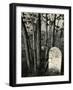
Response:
column 55, row 52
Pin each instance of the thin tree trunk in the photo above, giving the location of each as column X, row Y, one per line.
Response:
column 39, row 41
column 46, row 36
column 53, row 43
column 25, row 37
column 46, row 40
column 34, row 46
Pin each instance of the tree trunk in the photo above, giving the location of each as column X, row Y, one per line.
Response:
column 39, row 41
column 26, row 45
column 53, row 42
column 34, row 46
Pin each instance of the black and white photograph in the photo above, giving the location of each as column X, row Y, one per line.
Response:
column 40, row 44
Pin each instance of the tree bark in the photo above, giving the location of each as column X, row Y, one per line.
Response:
column 53, row 37
column 24, row 33
column 34, row 46
column 39, row 41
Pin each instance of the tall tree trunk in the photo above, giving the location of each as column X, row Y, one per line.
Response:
column 34, row 46
column 46, row 40
column 24, row 33
column 39, row 41
column 53, row 43
column 46, row 36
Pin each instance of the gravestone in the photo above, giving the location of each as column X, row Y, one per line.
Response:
column 54, row 61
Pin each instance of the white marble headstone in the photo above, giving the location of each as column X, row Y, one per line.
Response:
column 55, row 58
